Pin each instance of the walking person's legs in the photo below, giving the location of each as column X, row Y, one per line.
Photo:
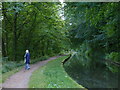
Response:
column 28, row 67
column 25, row 66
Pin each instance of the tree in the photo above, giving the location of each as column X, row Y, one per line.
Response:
column 33, row 26
column 94, row 26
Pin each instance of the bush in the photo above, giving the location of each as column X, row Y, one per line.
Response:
column 114, row 57
column 39, row 59
column 10, row 65
column 44, row 58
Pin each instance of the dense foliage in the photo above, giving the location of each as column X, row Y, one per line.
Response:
column 33, row 26
column 94, row 32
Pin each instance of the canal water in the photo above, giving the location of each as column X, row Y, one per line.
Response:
column 99, row 77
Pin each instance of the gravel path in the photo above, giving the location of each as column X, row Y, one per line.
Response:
column 21, row 78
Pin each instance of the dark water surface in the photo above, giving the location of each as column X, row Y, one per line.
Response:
column 99, row 77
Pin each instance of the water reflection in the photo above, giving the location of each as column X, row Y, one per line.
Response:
column 99, row 77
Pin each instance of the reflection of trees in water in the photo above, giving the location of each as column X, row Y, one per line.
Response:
column 98, row 77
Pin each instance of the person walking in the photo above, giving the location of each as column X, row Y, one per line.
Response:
column 27, row 60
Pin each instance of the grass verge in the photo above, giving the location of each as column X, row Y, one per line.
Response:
column 52, row 75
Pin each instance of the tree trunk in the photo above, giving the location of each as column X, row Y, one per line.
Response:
column 3, row 49
column 15, row 36
column 5, row 35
